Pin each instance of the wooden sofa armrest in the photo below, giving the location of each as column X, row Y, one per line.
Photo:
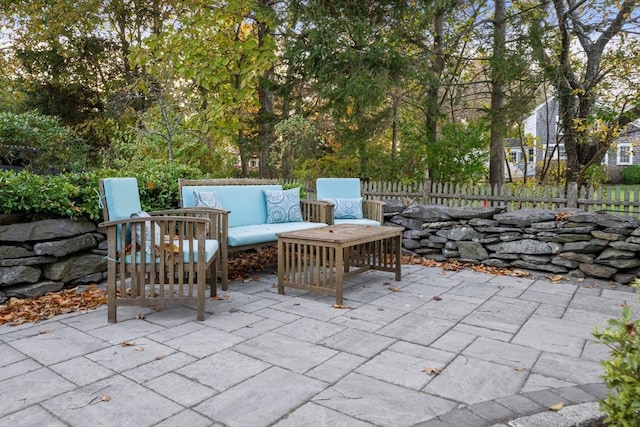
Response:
column 373, row 209
column 316, row 211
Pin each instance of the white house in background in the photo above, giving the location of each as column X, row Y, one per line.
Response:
column 542, row 127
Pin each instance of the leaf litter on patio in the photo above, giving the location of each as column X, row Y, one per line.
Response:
column 243, row 267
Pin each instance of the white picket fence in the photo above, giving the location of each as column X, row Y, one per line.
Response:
column 511, row 196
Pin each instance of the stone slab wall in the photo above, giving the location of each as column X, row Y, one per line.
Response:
column 565, row 241
column 43, row 256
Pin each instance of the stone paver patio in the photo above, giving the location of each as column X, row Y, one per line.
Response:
column 487, row 350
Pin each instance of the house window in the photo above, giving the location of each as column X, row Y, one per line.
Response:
column 625, row 154
column 559, row 153
column 531, row 156
column 513, row 156
column 253, row 163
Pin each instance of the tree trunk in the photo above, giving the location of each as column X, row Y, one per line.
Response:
column 266, row 135
column 437, row 66
column 266, row 115
column 498, row 125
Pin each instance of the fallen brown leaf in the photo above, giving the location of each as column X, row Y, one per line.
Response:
column 557, row 406
column 128, row 344
column 18, row 310
column 105, row 398
column 431, row 371
column 139, row 349
column 556, row 278
column 437, row 298
column 340, row 306
column 393, row 289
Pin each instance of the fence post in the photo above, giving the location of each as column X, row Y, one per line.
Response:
column 572, row 195
column 426, row 195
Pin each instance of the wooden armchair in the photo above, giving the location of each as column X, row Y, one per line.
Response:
column 347, row 191
column 155, row 259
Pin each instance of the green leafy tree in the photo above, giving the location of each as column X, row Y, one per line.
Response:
column 40, row 143
column 588, row 54
column 460, row 155
column 213, row 49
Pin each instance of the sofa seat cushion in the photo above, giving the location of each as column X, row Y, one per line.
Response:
column 263, row 233
column 211, row 248
column 363, row 221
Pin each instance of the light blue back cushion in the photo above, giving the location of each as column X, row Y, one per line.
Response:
column 122, row 197
column 337, row 188
column 246, row 202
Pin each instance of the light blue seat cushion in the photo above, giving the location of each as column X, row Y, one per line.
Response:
column 247, row 203
column 263, row 233
column 211, row 248
column 363, row 221
column 337, row 188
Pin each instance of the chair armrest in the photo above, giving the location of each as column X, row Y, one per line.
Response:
column 171, row 227
column 158, row 219
column 316, row 211
column 218, row 226
column 373, row 209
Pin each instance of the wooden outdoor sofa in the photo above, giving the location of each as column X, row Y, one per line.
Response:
column 247, row 217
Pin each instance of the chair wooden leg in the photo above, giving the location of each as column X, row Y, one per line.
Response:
column 213, row 278
column 224, row 271
column 201, row 279
column 111, row 301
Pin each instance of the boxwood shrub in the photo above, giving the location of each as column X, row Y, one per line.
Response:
column 631, row 174
column 75, row 195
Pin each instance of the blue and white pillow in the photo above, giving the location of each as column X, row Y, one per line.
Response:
column 346, row 208
column 283, row 206
column 158, row 237
column 208, row 199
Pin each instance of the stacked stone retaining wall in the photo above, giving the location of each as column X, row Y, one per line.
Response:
column 44, row 256
column 566, row 241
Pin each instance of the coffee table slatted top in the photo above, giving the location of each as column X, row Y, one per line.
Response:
column 344, row 233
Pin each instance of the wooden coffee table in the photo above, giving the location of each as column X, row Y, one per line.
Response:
column 320, row 259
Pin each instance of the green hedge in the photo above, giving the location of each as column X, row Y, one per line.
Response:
column 631, row 174
column 75, row 195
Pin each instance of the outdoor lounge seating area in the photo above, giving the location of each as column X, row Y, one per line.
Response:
column 163, row 258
